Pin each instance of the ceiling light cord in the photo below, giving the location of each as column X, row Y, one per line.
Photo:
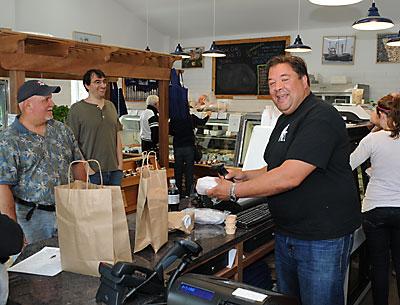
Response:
column 179, row 20
column 298, row 18
column 214, row 23
column 147, row 23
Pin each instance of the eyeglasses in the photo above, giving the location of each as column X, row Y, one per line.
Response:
column 380, row 109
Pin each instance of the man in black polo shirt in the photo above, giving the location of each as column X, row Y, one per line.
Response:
column 310, row 188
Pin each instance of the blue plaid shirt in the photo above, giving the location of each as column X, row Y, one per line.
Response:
column 33, row 164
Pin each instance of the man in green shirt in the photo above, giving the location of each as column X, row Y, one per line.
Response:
column 97, row 129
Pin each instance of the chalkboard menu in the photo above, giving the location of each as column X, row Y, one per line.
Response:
column 243, row 69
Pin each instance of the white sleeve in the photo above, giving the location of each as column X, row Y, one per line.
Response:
column 362, row 152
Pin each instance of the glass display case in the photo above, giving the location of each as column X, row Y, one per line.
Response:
column 247, row 124
column 131, row 131
column 3, row 103
column 218, row 141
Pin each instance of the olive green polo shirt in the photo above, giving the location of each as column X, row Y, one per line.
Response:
column 96, row 132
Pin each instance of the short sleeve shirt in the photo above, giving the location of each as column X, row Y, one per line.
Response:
column 33, row 164
column 325, row 205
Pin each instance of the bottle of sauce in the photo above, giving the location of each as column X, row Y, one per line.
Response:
column 173, row 196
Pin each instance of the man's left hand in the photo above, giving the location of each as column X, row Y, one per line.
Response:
column 221, row 191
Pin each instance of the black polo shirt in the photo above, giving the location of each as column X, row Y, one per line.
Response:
column 326, row 204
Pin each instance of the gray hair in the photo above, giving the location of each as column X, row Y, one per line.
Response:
column 152, row 100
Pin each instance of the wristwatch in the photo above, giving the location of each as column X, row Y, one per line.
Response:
column 232, row 195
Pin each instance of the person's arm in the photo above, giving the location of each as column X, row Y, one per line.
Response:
column 79, row 171
column 7, row 203
column 119, row 151
column 361, row 153
column 153, row 124
column 278, row 180
column 239, row 175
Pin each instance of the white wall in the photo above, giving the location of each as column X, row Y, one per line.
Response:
column 382, row 78
column 7, row 14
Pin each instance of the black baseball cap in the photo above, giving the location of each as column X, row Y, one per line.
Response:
column 35, row 87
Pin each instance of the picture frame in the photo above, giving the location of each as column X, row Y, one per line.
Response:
column 86, row 37
column 338, row 50
column 196, row 58
column 385, row 53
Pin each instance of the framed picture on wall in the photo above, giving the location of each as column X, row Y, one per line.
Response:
column 385, row 53
column 195, row 60
column 86, row 37
column 338, row 50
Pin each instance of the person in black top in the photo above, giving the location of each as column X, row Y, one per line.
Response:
column 11, row 242
column 184, row 144
column 311, row 191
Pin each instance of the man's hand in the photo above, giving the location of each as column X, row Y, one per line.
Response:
column 236, row 175
column 221, row 191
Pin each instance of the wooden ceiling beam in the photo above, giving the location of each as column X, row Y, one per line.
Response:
column 49, row 49
column 78, row 66
column 9, row 43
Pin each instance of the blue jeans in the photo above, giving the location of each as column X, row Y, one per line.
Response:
column 184, row 161
column 41, row 226
column 382, row 231
column 109, row 178
column 312, row 270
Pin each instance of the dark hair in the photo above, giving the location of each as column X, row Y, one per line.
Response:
column 87, row 77
column 390, row 105
column 297, row 63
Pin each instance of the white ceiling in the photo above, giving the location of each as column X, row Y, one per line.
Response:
column 234, row 17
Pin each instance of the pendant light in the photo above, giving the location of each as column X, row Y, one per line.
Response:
column 298, row 46
column 334, row 2
column 178, row 50
column 147, row 26
column 213, row 51
column 373, row 22
column 394, row 42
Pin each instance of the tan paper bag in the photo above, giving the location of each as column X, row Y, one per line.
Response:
column 92, row 226
column 152, row 207
column 182, row 221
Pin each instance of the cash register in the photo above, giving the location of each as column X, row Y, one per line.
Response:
column 121, row 282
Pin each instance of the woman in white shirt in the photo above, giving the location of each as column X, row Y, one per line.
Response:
column 381, row 205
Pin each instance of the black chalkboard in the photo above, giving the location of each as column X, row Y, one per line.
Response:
column 240, row 72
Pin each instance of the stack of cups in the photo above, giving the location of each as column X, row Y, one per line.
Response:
column 230, row 224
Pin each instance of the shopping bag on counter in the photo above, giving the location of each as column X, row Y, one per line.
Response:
column 92, row 225
column 152, row 206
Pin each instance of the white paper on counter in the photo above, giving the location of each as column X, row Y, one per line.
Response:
column 45, row 262
column 231, row 257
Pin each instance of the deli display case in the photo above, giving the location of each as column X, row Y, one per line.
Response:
column 217, row 140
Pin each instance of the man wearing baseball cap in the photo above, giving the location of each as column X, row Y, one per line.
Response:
column 35, row 152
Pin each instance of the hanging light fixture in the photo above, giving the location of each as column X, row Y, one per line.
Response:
column 373, row 22
column 178, row 50
column 147, row 26
column 213, row 51
column 334, row 2
column 298, row 46
column 394, row 42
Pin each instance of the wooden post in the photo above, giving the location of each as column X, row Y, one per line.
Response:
column 163, row 122
column 17, row 78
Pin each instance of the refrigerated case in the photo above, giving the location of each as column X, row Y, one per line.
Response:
column 217, row 141
column 3, row 103
column 131, row 130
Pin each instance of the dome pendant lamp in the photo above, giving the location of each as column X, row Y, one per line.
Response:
column 213, row 51
column 298, row 46
column 178, row 50
column 334, row 2
column 373, row 22
column 394, row 42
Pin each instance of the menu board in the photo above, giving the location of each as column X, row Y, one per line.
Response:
column 238, row 72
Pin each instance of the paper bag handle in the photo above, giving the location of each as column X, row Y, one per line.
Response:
column 155, row 158
column 87, row 170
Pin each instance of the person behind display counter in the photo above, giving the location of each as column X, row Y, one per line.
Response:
column 35, row 153
column 182, row 130
column 149, row 128
column 381, row 204
column 310, row 187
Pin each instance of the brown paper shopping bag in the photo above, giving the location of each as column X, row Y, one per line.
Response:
column 152, row 206
column 92, row 226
